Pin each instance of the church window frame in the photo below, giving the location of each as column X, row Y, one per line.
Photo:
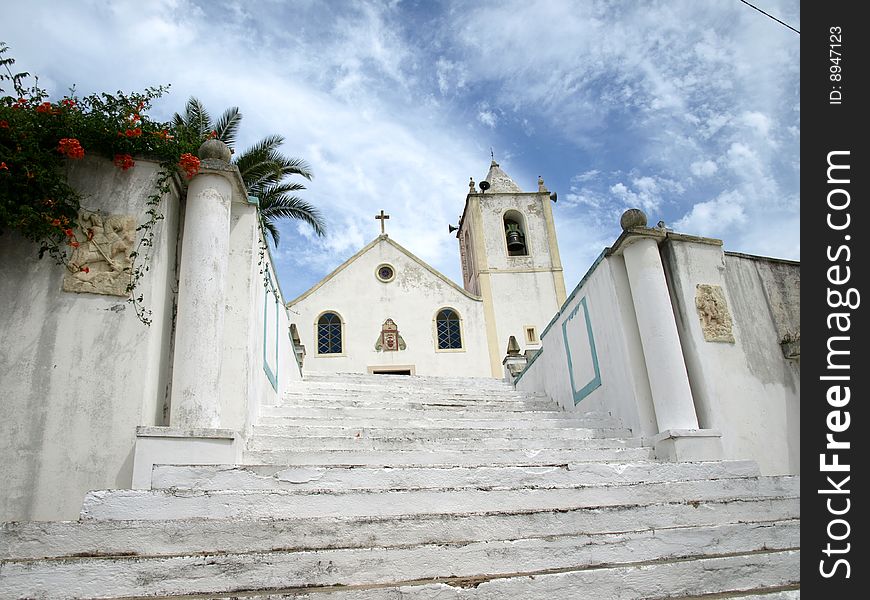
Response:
column 448, row 333
column 331, row 334
column 385, row 272
column 517, row 218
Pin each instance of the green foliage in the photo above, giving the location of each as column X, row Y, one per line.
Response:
column 37, row 138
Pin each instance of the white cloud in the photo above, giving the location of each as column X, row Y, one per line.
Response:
column 703, row 168
column 714, row 217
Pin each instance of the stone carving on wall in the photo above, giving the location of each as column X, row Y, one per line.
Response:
column 713, row 311
column 101, row 262
column 390, row 340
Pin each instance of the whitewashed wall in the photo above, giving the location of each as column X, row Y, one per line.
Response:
column 411, row 300
column 746, row 389
column 259, row 362
column 79, row 372
column 600, row 302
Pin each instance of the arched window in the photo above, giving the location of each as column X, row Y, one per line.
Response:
column 448, row 330
column 515, row 234
column 329, row 334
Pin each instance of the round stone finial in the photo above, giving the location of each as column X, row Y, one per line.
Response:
column 215, row 149
column 633, row 217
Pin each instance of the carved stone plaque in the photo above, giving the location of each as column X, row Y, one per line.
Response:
column 390, row 340
column 100, row 264
column 713, row 311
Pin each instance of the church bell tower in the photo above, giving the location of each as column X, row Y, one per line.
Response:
column 510, row 257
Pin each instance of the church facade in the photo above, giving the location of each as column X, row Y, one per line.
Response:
column 386, row 311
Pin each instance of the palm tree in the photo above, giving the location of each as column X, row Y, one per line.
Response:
column 263, row 167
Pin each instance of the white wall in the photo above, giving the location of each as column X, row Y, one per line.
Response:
column 411, row 300
column 624, row 388
column 747, row 389
column 79, row 372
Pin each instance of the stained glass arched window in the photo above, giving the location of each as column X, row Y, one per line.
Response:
column 329, row 334
column 448, row 330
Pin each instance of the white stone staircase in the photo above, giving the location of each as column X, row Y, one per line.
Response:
column 388, row 487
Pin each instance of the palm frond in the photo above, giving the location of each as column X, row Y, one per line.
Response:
column 227, row 127
column 282, row 206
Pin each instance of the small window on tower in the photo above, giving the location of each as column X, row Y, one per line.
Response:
column 531, row 335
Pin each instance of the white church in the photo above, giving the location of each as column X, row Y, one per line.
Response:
column 635, row 435
column 384, row 310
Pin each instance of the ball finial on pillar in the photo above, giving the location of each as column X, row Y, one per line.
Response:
column 633, row 217
column 215, row 149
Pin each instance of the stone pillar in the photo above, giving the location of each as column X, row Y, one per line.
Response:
column 195, row 401
column 679, row 437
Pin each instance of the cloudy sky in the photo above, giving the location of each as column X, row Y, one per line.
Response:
column 688, row 109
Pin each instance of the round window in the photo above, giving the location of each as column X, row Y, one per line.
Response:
column 385, row 273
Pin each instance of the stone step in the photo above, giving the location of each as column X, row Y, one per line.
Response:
column 33, row 539
column 425, row 420
column 263, row 504
column 410, row 412
column 270, row 477
column 185, row 574
column 415, row 380
column 366, row 443
column 430, row 433
column 512, row 456
column 351, row 401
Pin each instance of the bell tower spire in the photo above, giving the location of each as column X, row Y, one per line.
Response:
column 510, row 257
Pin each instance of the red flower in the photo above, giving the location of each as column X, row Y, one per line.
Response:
column 123, row 161
column 55, row 223
column 68, row 232
column 4, row 124
column 68, row 103
column 3, row 166
column 46, row 107
column 189, row 163
column 74, row 244
column 133, row 132
column 85, row 270
column 71, row 148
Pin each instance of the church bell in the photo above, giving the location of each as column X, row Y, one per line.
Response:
column 516, row 241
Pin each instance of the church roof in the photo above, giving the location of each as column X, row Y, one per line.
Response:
column 499, row 181
column 383, row 238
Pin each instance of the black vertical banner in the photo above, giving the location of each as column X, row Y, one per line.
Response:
column 834, row 426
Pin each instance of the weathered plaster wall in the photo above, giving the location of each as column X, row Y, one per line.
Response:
column 79, row 372
column 256, row 329
column 411, row 300
column 604, row 295
column 747, row 388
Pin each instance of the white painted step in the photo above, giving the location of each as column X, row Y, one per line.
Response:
column 366, row 443
column 255, row 504
column 445, row 457
column 92, row 577
column 354, row 401
column 90, row 538
column 267, row 477
column 409, row 413
column 516, row 420
column 431, row 433
column 415, row 380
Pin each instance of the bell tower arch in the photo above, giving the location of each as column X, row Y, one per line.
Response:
column 510, row 257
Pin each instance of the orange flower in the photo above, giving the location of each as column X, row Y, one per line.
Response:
column 123, row 161
column 68, row 232
column 85, row 270
column 74, row 244
column 133, row 132
column 71, row 148
column 4, row 124
column 189, row 163
column 46, row 107
column 3, row 166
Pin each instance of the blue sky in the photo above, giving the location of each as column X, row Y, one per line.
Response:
column 688, row 109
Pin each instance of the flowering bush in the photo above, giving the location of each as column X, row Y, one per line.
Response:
column 37, row 137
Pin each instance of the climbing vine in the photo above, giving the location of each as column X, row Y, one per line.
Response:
column 40, row 136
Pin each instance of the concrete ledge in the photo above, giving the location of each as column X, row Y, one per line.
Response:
column 176, row 446
column 687, row 445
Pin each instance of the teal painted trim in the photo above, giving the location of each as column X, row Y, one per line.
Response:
column 270, row 291
column 529, row 364
column 254, row 200
column 574, row 292
column 596, row 379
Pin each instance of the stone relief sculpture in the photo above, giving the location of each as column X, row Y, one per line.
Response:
column 103, row 255
column 390, row 340
column 712, row 308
